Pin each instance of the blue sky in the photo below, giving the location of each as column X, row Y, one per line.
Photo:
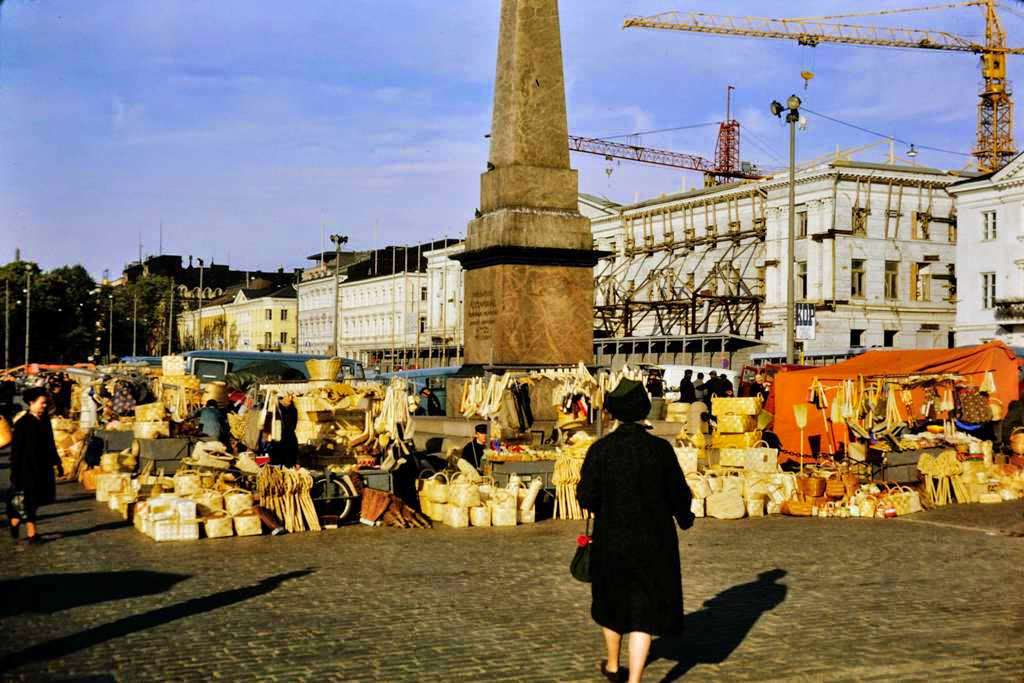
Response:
column 249, row 127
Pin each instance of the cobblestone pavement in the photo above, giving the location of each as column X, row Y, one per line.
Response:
column 937, row 596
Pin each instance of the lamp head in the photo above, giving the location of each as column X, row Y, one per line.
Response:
column 776, row 108
column 911, row 152
column 793, row 102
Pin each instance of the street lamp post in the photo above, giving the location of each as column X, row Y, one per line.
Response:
column 28, row 310
column 170, row 322
column 110, row 330
column 135, row 321
column 199, row 320
column 337, row 240
column 792, row 111
column 7, row 324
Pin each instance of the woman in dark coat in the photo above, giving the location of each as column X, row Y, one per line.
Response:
column 633, row 484
column 33, row 458
column 286, row 451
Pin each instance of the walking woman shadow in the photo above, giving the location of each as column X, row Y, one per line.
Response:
column 715, row 630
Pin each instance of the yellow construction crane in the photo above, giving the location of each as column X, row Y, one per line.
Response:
column 994, row 146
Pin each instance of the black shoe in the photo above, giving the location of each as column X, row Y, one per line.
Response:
column 15, row 531
column 614, row 676
column 34, row 540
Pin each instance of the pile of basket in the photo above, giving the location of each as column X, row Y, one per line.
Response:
column 222, row 509
column 736, row 421
column 463, row 500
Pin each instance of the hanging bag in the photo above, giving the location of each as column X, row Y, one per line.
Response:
column 580, row 565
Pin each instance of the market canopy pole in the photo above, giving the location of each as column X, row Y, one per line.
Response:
column 529, row 254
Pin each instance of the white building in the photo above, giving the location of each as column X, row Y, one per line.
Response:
column 384, row 306
column 703, row 273
column 442, row 323
column 990, row 256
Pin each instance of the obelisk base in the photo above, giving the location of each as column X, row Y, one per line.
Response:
column 529, row 315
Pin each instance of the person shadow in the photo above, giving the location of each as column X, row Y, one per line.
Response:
column 52, row 593
column 91, row 637
column 715, row 630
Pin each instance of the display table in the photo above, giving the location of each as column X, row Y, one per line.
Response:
column 901, row 467
column 165, row 454
column 501, row 471
column 114, row 441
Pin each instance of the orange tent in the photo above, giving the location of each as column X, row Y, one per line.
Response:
column 971, row 362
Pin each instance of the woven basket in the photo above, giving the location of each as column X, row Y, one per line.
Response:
column 208, row 502
column 150, row 412
column 811, row 487
column 248, row 524
column 480, row 516
column 186, row 483
column 151, row 430
column 797, row 508
column 1017, row 441
column 323, row 368
column 835, row 488
column 237, row 502
column 218, row 526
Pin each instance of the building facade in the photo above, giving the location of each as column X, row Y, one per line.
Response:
column 990, row 256
column 243, row 319
column 386, row 316
column 701, row 276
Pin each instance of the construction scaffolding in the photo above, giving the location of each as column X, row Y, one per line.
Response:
column 675, row 283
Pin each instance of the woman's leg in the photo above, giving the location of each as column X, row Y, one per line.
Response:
column 639, row 647
column 613, row 644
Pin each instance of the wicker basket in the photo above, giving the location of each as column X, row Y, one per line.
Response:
column 323, row 368
column 797, row 508
column 835, row 488
column 151, row 430
column 150, row 412
column 218, row 526
column 237, row 502
column 248, row 524
column 811, row 487
column 1017, row 441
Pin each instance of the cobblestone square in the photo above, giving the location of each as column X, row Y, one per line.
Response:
column 936, row 596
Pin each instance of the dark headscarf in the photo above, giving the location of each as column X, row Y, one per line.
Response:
column 628, row 402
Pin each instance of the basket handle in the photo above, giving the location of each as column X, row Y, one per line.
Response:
column 1015, row 430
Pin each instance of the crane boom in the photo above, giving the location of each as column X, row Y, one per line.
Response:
column 618, row 150
column 994, row 145
column 807, row 31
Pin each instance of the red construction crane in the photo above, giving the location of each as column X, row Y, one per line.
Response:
column 725, row 166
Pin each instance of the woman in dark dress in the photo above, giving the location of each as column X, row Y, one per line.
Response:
column 286, row 451
column 633, row 484
column 33, row 459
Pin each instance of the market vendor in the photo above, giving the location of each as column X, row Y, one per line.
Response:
column 212, row 422
column 433, row 406
column 473, row 452
column 286, row 451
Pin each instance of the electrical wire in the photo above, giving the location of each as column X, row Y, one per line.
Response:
column 660, row 130
column 883, row 135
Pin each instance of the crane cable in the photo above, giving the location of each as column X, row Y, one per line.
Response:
column 883, row 135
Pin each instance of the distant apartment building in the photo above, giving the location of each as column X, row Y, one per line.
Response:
column 701, row 276
column 262, row 318
column 383, row 307
column 990, row 256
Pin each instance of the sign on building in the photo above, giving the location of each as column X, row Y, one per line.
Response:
column 805, row 322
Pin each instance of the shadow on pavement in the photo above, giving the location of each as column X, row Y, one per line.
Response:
column 715, row 631
column 50, row 593
column 109, row 526
column 61, row 647
column 55, row 515
column 82, row 497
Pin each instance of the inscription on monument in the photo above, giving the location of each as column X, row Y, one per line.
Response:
column 481, row 313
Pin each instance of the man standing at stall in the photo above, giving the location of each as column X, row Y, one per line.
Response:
column 433, row 406
column 473, row 452
column 687, row 392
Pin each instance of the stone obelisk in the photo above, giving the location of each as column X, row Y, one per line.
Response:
column 529, row 254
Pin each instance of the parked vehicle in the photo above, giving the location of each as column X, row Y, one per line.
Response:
column 211, row 366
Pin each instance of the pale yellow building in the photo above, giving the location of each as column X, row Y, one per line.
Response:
column 243, row 319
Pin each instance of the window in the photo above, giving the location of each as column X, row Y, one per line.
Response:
column 892, row 274
column 859, row 221
column 801, row 279
column 423, row 293
column 268, row 338
column 889, row 338
column 857, row 275
column 284, row 337
column 988, row 226
column 988, row 290
column 284, row 314
column 856, row 338
column 801, row 224
column 920, row 225
column 423, row 324
column 920, row 282
column 268, row 314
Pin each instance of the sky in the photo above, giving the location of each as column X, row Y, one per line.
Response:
column 249, row 129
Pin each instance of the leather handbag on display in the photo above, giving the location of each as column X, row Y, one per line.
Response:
column 580, row 565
